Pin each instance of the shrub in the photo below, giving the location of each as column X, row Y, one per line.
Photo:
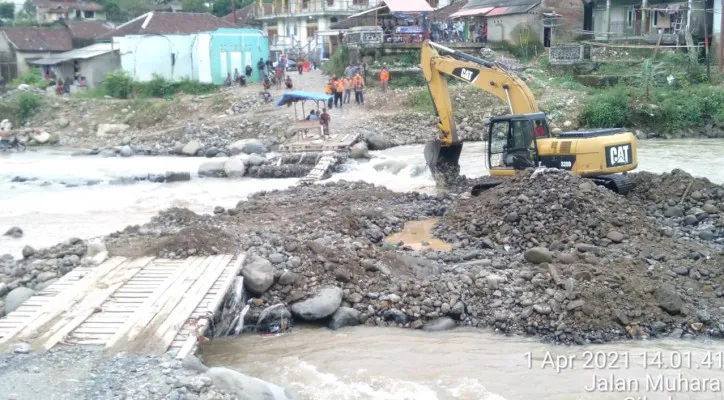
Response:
column 608, row 108
column 118, row 84
column 27, row 104
column 337, row 62
column 32, row 78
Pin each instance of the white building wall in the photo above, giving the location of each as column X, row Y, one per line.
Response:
column 170, row 56
column 203, row 60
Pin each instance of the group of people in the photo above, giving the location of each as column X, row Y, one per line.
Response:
column 238, row 78
column 341, row 88
column 62, row 86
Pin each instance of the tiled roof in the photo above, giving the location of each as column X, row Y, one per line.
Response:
column 246, row 15
column 169, row 23
column 39, row 39
column 60, row 7
column 87, row 29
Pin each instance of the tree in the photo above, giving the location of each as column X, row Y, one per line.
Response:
column 114, row 12
column 29, row 8
column 194, row 6
column 7, row 10
column 221, row 8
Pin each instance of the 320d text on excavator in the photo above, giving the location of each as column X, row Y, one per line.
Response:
column 522, row 139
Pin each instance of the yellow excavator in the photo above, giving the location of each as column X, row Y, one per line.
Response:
column 522, row 139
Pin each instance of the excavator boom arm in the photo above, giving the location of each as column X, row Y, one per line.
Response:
column 490, row 77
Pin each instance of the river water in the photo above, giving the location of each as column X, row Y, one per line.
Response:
column 357, row 363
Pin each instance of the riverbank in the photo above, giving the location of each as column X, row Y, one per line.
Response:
column 85, row 374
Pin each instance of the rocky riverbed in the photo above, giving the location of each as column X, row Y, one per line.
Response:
column 81, row 373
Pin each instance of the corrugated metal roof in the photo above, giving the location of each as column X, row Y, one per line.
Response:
column 499, row 3
column 471, row 12
column 496, row 11
column 407, row 6
column 84, row 53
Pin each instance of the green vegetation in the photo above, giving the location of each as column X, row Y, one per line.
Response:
column 22, row 107
column 121, row 86
column 337, row 62
column 33, row 78
column 665, row 109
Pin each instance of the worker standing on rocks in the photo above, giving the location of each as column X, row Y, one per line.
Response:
column 324, row 120
column 384, row 78
column 339, row 90
column 358, row 84
column 347, row 89
column 329, row 89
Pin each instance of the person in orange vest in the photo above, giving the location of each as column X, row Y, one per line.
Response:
column 358, row 85
column 329, row 90
column 339, row 90
column 384, row 78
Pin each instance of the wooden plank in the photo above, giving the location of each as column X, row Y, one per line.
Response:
column 87, row 324
column 91, row 303
column 65, row 300
column 215, row 303
column 160, row 323
column 189, row 301
column 152, row 305
column 92, row 336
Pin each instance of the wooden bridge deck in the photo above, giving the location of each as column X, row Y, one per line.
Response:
column 146, row 304
column 336, row 142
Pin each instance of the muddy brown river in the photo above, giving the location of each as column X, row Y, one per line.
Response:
column 400, row 364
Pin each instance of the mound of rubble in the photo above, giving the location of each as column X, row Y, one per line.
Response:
column 552, row 208
column 692, row 207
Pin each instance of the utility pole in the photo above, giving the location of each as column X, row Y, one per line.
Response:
column 233, row 11
column 721, row 40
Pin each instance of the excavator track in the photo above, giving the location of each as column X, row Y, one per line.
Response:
column 618, row 183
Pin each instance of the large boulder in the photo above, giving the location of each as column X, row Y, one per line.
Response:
column 375, row 141
column 439, row 324
column 359, row 150
column 258, row 275
column 234, row 167
column 212, row 169
column 111, row 129
column 15, row 232
column 192, row 148
column 669, row 299
column 243, row 387
column 538, row 255
column 247, row 146
column 40, row 137
column 255, row 160
column 344, row 316
column 177, row 176
column 319, row 306
column 16, row 297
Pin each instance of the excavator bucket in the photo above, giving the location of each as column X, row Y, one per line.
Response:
column 444, row 162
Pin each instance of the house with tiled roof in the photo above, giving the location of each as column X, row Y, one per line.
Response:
column 49, row 11
column 246, row 16
column 85, row 33
column 168, row 23
column 20, row 45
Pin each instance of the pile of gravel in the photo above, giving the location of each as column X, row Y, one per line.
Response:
column 692, row 207
column 549, row 208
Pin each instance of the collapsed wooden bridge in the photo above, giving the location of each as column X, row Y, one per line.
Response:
column 146, row 304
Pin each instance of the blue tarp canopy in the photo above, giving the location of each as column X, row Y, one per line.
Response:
column 293, row 97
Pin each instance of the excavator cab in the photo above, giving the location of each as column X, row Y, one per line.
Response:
column 512, row 142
